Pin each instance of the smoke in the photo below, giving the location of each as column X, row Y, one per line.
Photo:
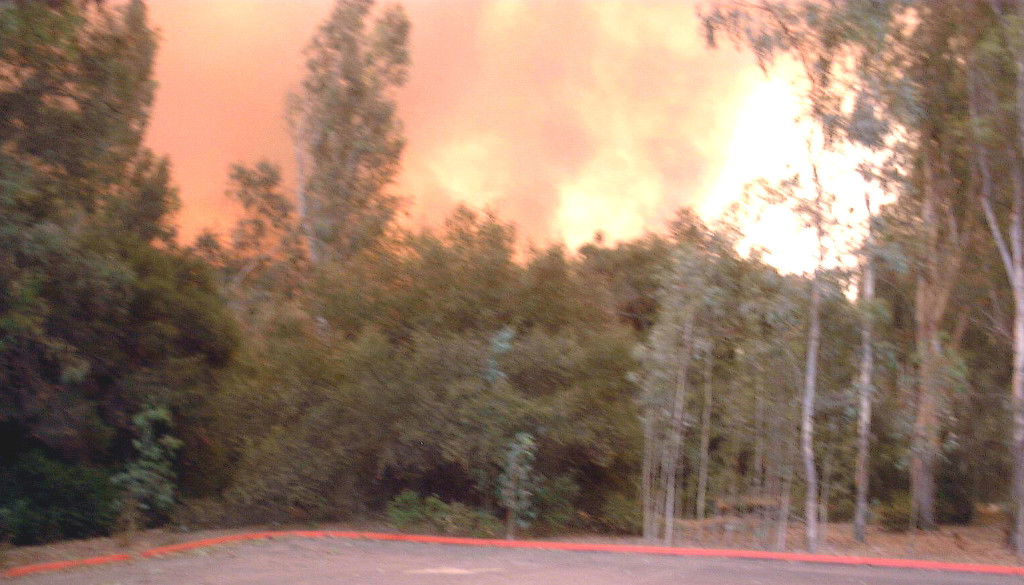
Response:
column 565, row 117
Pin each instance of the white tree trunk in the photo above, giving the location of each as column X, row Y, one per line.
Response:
column 1017, row 383
column 807, row 416
column 865, row 391
column 673, row 449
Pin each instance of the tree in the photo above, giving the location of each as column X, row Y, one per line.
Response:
column 907, row 102
column 515, row 483
column 149, row 478
column 995, row 96
column 265, row 257
column 99, row 310
column 348, row 138
column 692, row 296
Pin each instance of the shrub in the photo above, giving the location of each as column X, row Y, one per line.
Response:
column 841, row 509
column 621, row 514
column 894, row 516
column 462, row 520
column 553, row 502
column 149, row 479
column 435, row 512
column 953, row 503
column 407, row 511
column 42, row 499
column 195, row 513
column 516, row 483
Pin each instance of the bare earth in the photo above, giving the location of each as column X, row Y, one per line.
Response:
column 315, row 562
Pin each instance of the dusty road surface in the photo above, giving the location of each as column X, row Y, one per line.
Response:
column 322, row 562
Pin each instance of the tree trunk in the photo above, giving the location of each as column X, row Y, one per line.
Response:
column 705, row 442
column 926, row 432
column 934, row 286
column 807, row 416
column 1017, row 281
column 675, row 444
column 865, row 391
column 1017, row 383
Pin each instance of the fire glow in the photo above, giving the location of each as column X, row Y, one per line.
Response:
column 567, row 118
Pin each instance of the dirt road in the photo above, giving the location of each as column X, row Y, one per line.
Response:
column 316, row 562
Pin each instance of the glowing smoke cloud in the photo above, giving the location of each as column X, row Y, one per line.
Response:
column 565, row 117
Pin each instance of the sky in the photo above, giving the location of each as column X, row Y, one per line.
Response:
column 567, row 117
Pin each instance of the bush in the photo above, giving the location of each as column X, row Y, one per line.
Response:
column 621, row 514
column 149, row 479
column 462, row 520
column 841, row 509
column 953, row 503
column 42, row 500
column 894, row 516
column 554, row 504
column 407, row 511
column 196, row 513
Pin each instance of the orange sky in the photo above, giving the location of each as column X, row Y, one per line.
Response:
column 565, row 116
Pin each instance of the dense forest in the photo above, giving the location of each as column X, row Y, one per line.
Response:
column 326, row 361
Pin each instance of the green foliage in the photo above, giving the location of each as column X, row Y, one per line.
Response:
column 621, row 514
column 841, row 509
column 149, row 479
column 409, row 512
column 405, row 511
column 99, row 309
column 462, row 520
column 345, row 125
column 516, row 482
column 42, row 499
column 554, row 500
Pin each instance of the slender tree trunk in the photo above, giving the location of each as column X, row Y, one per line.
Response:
column 1018, row 413
column 674, row 448
column 303, row 169
column 807, row 416
column 865, row 391
column 705, row 442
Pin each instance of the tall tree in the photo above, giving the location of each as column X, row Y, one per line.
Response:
column 99, row 310
column 347, row 135
column 901, row 57
column 995, row 94
column 692, row 297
